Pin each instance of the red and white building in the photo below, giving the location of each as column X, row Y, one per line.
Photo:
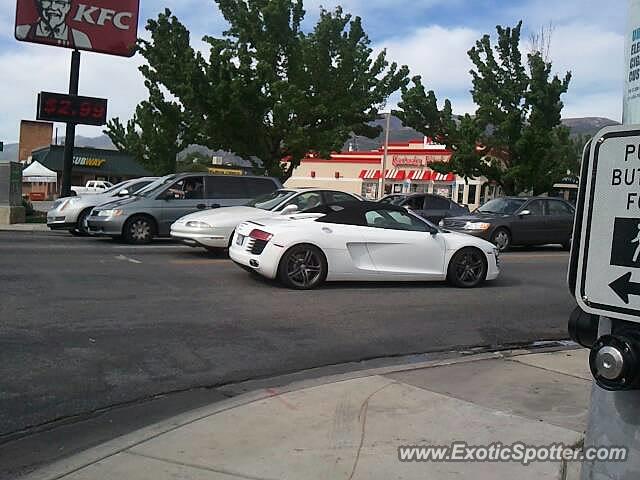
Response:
column 407, row 170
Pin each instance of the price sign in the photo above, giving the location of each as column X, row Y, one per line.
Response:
column 57, row 107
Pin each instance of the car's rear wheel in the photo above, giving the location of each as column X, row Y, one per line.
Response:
column 467, row 268
column 501, row 238
column 303, row 267
column 139, row 230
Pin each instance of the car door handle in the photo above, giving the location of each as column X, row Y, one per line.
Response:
column 201, row 206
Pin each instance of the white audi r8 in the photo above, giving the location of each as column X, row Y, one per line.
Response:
column 213, row 229
column 361, row 241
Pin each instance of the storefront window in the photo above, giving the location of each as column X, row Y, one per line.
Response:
column 370, row 190
column 483, row 194
column 471, row 199
column 443, row 189
column 461, row 194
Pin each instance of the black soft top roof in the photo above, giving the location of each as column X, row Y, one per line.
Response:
column 351, row 213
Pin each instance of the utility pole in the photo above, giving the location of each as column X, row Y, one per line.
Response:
column 384, row 156
column 70, row 135
column 614, row 416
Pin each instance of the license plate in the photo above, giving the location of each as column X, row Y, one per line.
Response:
column 239, row 239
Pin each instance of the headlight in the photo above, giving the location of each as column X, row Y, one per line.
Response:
column 477, row 226
column 196, row 224
column 110, row 213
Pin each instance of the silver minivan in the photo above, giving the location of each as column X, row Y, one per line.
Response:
column 71, row 213
column 151, row 211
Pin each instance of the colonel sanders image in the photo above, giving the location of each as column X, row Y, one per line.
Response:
column 51, row 26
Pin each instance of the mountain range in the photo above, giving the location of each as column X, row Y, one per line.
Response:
column 397, row 133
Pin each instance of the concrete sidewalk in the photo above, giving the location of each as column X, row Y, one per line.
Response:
column 350, row 426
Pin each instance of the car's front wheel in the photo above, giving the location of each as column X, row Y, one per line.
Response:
column 467, row 268
column 139, row 230
column 501, row 239
column 81, row 228
column 303, row 267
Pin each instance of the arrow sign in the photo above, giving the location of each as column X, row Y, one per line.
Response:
column 624, row 287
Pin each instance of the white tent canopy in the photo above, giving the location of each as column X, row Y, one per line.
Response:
column 38, row 173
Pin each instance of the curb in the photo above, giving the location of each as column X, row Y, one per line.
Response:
column 25, row 227
column 108, row 449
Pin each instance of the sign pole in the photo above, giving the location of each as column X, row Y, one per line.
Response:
column 70, row 136
column 614, row 416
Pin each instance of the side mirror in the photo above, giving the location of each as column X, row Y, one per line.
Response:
column 289, row 209
column 123, row 193
column 524, row 213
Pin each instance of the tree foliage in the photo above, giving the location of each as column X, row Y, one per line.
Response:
column 154, row 136
column 266, row 88
column 515, row 137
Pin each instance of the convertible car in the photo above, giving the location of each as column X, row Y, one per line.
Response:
column 360, row 241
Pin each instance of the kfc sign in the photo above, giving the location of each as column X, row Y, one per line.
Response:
column 104, row 26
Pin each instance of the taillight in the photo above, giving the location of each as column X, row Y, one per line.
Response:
column 260, row 235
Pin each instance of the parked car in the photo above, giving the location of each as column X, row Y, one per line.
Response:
column 360, row 241
column 213, row 229
column 92, row 186
column 518, row 221
column 70, row 213
column 152, row 210
column 429, row 206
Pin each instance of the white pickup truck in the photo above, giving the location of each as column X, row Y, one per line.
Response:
column 92, row 186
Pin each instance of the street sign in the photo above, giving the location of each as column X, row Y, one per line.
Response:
column 59, row 107
column 104, row 26
column 608, row 256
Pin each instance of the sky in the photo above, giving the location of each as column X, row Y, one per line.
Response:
column 430, row 36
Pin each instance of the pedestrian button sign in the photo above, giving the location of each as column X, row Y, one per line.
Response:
column 608, row 250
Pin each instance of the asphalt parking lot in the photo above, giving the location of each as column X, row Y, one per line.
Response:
column 88, row 324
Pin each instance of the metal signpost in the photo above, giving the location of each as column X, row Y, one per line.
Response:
column 604, row 275
column 103, row 26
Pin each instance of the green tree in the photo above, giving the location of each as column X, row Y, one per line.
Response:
column 515, row 137
column 155, row 135
column 268, row 89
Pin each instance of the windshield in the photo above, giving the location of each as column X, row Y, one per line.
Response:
column 269, row 201
column 154, row 186
column 505, row 206
column 117, row 186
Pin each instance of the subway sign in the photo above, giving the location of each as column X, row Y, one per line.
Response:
column 89, row 162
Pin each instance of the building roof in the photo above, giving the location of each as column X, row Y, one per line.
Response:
column 96, row 161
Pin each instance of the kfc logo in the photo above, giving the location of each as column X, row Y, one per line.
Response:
column 106, row 26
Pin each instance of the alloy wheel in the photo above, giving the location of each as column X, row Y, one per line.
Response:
column 469, row 267
column 501, row 240
column 304, row 268
column 140, row 230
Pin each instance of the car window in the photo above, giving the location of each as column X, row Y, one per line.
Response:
column 137, row 186
column 259, row 186
column 305, row 201
column 190, row 188
column 269, row 201
column 436, row 203
column 394, row 220
column 336, row 197
column 536, row 207
column 507, row 206
column 224, row 187
column 555, row 207
column 415, row 203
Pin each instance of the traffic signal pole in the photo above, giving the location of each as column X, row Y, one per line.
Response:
column 70, row 135
column 614, row 416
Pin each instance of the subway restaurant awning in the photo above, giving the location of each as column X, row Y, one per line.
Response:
column 92, row 161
